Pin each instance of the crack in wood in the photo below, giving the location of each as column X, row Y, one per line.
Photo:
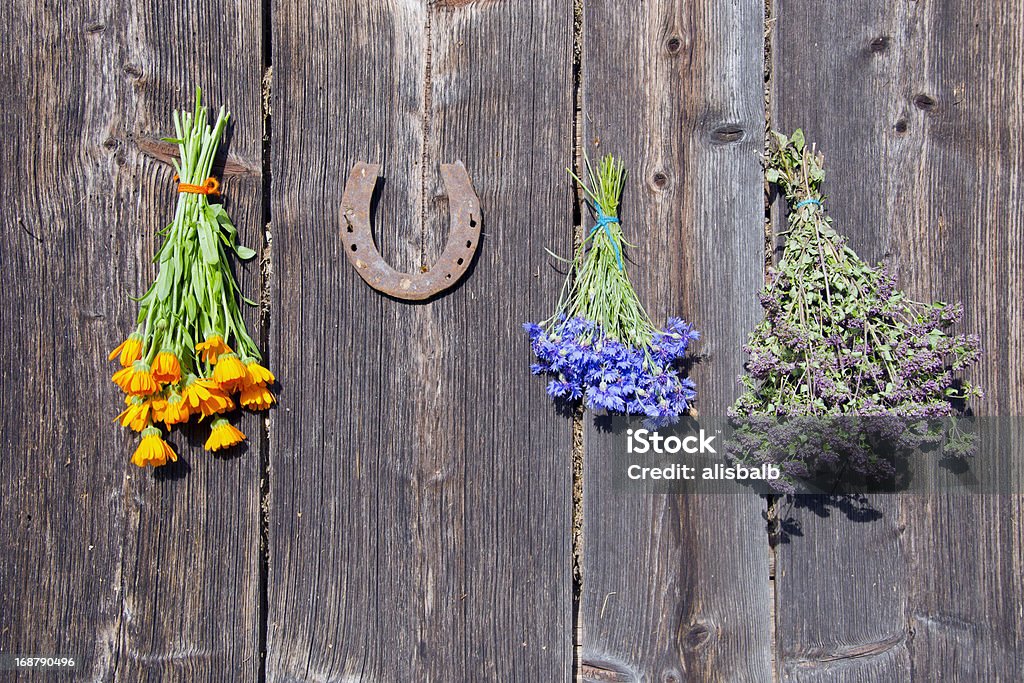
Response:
column 818, row 658
column 604, row 672
column 165, row 152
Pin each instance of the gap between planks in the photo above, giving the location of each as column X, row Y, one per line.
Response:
column 771, row 502
column 266, row 270
column 577, row 418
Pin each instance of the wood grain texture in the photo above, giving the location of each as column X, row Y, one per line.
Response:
column 677, row 587
column 917, row 107
column 135, row 572
column 420, row 490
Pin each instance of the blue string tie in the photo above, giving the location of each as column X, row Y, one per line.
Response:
column 805, row 202
column 603, row 221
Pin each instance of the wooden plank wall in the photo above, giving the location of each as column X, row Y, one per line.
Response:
column 677, row 588
column 407, row 511
column 917, row 107
column 134, row 573
column 420, row 503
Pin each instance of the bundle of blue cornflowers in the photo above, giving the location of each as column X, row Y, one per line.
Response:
column 600, row 346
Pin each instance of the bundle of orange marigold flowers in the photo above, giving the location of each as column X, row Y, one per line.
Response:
column 190, row 355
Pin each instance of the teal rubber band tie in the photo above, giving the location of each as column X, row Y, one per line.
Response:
column 805, row 202
column 603, row 221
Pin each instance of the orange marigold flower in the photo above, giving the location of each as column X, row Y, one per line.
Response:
column 211, row 349
column 229, row 372
column 256, row 397
column 166, row 368
column 136, row 379
column 256, row 374
column 223, row 434
column 159, row 407
column 137, row 413
column 130, row 350
column 207, row 397
column 176, row 410
column 153, row 450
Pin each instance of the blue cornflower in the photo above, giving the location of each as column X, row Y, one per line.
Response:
column 611, row 376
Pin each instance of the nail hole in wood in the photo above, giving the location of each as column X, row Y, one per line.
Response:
column 726, row 133
column 924, row 102
column 880, row 44
column 901, row 126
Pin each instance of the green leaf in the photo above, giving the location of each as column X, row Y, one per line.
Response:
column 244, row 253
column 207, row 243
column 190, row 307
column 798, row 139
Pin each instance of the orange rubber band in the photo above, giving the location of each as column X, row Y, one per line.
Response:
column 210, row 186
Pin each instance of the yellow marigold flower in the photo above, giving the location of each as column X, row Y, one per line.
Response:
column 153, row 450
column 136, row 414
column 211, row 349
column 166, row 368
column 223, row 434
column 136, row 379
column 206, row 396
column 256, row 374
column 176, row 410
column 130, row 350
column 229, row 372
column 256, row 397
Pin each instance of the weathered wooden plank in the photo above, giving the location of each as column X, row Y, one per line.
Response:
column 903, row 99
column 677, row 587
column 420, row 493
column 135, row 574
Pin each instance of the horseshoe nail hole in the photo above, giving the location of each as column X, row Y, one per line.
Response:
column 348, row 228
column 354, row 247
column 472, row 222
column 448, row 276
column 460, row 261
column 469, row 244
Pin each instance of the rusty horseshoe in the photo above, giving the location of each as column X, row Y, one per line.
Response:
column 463, row 235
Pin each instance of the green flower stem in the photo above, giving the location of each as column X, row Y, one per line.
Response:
column 193, row 295
column 597, row 287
